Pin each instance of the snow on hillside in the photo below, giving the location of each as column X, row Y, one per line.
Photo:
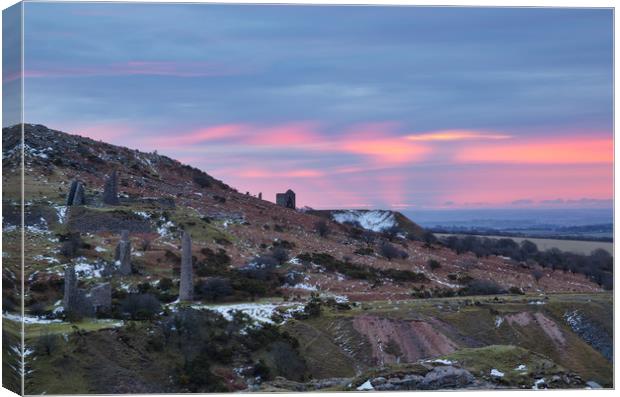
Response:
column 375, row 220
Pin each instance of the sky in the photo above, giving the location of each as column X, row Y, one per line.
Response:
column 351, row 107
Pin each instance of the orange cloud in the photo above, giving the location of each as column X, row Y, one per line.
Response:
column 550, row 151
column 261, row 173
column 457, row 135
column 379, row 142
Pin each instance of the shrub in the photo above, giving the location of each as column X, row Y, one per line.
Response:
column 47, row 343
column 537, row 274
column 313, row 307
column 201, row 179
column 321, row 228
column 140, row 306
column 280, row 255
column 216, row 288
column 515, row 291
column 145, row 244
column 364, row 251
column 390, row 252
column 433, row 264
column 261, row 370
column 71, row 245
column 165, row 284
column 482, row 287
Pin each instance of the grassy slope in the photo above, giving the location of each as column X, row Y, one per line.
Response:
column 473, row 326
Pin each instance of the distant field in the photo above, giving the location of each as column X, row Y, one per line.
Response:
column 581, row 247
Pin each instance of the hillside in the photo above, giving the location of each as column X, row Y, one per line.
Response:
column 320, row 274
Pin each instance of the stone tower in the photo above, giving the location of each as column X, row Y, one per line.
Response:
column 286, row 199
column 110, row 189
column 186, row 288
column 123, row 253
column 76, row 194
column 70, row 298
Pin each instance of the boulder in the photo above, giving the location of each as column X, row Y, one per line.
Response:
column 446, row 377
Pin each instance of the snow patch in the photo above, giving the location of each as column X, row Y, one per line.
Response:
column 26, row 319
column 497, row 373
column 443, row 361
column 304, row 286
column 538, row 383
column 366, row 386
column 376, row 220
column 88, row 270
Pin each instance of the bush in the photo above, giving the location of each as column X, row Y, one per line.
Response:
column 165, row 284
column 71, row 245
column 483, row 287
column 357, row 271
column 201, row 179
column 140, row 306
column 280, row 255
column 433, row 264
column 537, row 274
column 390, row 252
column 145, row 244
column 216, row 288
column 364, row 251
column 321, row 228
column 47, row 343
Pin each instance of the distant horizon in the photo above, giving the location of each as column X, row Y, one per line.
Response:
column 350, row 107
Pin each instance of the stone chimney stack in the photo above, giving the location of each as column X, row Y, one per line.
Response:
column 110, row 190
column 123, row 253
column 71, row 291
column 186, row 288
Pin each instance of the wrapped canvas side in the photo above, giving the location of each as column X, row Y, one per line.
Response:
column 14, row 352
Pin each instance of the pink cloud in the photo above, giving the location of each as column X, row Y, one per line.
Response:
column 206, row 134
column 132, row 68
column 556, row 150
column 457, row 135
column 263, row 173
column 379, row 142
column 289, row 134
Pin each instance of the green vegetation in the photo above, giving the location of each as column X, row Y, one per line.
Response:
column 361, row 272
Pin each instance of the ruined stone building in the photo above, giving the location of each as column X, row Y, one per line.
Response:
column 286, row 199
column 86, row 302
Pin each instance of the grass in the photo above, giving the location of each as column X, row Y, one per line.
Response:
column 506, row 359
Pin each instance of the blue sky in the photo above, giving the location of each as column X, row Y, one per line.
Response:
column 414, row 101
